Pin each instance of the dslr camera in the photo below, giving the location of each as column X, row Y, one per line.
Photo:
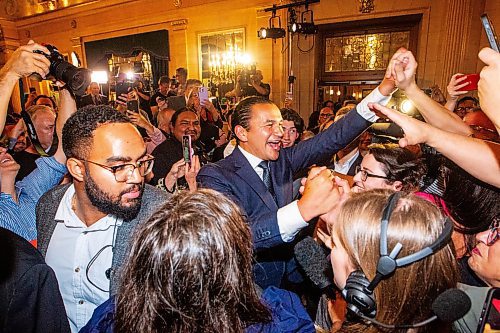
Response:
column 76, row 79
column 246, row 76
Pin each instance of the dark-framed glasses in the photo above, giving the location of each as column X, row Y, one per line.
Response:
column 122, row 172
column 493, row 233
column 365, row 174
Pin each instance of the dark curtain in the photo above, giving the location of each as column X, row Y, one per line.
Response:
column 159, row 67
column 154, row 43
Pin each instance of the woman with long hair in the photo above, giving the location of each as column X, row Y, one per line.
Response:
column 190, row 270
column 406, row 296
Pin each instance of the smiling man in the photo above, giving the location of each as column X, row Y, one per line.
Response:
column 258, row 175
column 84, row 227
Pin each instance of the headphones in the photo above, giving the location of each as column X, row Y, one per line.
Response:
column 358, row 291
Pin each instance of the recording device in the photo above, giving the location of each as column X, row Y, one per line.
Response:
column 246, row 75
column 472, row 80
column 490, row 315
column 173, row 82
column 312, row 259
column 358, row 291
column 187, row 149
column 215, row 102
column 490, row 32
column 77, row 79
column 123, row 88
column 133, row 105
column 203, row 94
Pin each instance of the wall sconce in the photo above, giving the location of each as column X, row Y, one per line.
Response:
column 273, row 31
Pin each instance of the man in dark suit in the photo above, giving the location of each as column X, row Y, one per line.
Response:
column 258, row 175
column 94, row 98
column 84, row 227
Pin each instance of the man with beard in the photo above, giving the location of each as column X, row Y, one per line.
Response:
column 84, row 227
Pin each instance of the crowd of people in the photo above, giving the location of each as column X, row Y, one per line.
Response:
column 107, row 226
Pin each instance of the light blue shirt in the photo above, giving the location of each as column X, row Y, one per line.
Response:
column 20, row 217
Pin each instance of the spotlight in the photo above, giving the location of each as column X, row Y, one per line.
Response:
column 273, row 33
column 306, row 28
column 406, row 106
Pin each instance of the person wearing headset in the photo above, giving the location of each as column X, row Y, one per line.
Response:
column 404, row 294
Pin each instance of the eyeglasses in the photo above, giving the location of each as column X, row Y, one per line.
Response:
column 493, row 234
column 468, row 108
column 365, row 174
column 325, row 115
column 122, row 172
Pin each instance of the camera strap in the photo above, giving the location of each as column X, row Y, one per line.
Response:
column 31, row 128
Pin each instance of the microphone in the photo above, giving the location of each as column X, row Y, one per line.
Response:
column 312, row 259
column 450, row 305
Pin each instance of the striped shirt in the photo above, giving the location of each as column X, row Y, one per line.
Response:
column 20, row 217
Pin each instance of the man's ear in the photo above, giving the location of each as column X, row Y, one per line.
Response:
column 75, row 168
column 241, row 133
column 397, row 185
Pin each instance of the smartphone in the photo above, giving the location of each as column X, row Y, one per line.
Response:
column 215, row 102
column 472, row 80
column 203, row 94
column 133, row 105
column 489, row 321
column 187, row 149
column 122, row 88
column 490, row 32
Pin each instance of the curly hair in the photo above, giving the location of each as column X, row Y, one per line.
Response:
column 190, row 270
column 400, row 164
column 78, row 131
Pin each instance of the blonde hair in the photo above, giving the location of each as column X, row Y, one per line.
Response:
column 407, row 295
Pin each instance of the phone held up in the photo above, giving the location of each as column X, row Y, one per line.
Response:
column 133, row 106
column 490, row 32
column 187, row 150
column 489, row 321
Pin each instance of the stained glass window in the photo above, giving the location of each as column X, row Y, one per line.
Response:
column 368, row 52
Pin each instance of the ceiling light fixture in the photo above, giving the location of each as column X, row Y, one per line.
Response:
column 273, row 31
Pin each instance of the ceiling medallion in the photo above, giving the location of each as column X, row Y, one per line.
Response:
column 367, row 6
column 177, row 3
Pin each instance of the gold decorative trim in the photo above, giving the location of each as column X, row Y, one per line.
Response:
column 367, row 6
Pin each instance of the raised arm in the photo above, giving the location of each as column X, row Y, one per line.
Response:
column 23, row 62
column 66, row 108
column 488, row 85
column 477, row 157
column 402, row 68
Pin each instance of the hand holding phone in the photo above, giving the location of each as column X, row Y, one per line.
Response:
column 489, row 321
column 471, row 79
column 203, row 95
column 133, row 105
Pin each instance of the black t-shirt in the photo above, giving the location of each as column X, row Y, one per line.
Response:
column 26, row 161
column 251, row 91
column 152, row 101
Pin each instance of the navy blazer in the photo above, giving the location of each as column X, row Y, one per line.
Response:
column 235, row 177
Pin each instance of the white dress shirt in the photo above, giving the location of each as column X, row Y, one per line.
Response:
column 344, row 164
column 72, row 246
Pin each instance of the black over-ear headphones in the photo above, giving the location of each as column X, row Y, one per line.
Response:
column 358, row 291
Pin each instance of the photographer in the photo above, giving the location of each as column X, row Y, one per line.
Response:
column 250, row 84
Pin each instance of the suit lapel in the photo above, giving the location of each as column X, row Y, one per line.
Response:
column 248, row 174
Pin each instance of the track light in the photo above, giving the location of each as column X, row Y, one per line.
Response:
column 306, row 28
column 306, row 25
column 273, row 31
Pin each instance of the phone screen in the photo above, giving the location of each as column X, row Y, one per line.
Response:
column 490, row 316
column 203, row 94
column 490, row 32
column 186, row 148
column 133, row 105
column 122, row 88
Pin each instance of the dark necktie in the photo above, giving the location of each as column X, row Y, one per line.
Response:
column 266, row 177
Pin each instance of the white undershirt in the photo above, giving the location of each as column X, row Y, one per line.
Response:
column 71, row 248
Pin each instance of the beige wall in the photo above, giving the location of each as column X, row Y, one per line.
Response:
column 438, row 53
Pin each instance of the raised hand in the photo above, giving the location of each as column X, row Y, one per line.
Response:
column 24, row 62
column 488, row 85
column 402, row 68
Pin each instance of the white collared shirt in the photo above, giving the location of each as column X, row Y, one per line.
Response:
column 70, row 250
column 344, row 164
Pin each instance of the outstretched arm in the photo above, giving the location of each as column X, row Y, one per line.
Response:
column 488, row 85
column 66, row 108
column 477, row 157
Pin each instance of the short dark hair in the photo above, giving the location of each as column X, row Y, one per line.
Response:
column 243, row 111
column 400, row 164
column 164, row 79
column 292, row 115
column 325, row 103
column 178, row 112
column 193, row 82
column 190, row 270
column 182, row 71
column 78, row 131
column 468, row 98
column 54, row 105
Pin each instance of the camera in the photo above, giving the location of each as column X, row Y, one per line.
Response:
column 76, row 79
column 174, row 83
column 246, row 76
